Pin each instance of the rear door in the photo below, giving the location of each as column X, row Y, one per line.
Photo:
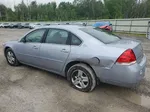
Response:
column 28, row 49
column 55, row 50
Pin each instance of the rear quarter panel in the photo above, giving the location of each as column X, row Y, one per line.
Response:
column 95, row 54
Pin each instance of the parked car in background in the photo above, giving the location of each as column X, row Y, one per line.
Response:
column 46, row 24
column 85, row 55
column 25, row 25
column 6, row 25
column 35, row 25
column 55, row 23
column 20, row 25
column 11, row 25
column 1, row 25
column 103, row 25
column 15, row 25
column 79, row 23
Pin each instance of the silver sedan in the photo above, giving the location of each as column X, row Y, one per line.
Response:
column 84, row 55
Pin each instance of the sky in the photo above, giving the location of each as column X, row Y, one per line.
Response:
column 10, row 3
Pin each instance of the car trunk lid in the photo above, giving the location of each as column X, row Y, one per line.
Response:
column 135, row 45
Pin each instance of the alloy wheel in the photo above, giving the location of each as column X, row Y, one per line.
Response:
column 10, row 57
column 80, row 79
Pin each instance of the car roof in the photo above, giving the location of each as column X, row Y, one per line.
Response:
column 65, row 27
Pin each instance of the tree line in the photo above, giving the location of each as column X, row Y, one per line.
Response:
column 77, row 10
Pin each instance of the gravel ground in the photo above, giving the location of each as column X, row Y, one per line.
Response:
column 27, row 89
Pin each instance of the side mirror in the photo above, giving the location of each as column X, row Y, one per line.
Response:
column 23, row 40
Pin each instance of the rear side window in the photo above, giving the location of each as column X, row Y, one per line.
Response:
column 57, row 36
column 75, row 40
column 103, row 36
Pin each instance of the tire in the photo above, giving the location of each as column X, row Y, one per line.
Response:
column 11, row 58
column 83, row 75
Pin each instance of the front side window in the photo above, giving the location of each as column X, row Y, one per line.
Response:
column 35, row 36
column 57, row 36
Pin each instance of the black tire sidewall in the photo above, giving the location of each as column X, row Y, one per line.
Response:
column 77, row 67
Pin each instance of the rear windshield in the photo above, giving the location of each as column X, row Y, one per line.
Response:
column 101, row 35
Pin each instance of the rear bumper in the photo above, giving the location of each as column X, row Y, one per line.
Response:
column 123, row 75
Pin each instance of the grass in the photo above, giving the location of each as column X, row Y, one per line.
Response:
column 129, row 34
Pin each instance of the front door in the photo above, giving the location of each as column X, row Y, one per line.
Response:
column 28, row 49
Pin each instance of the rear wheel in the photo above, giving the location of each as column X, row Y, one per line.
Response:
column 82, row 77
column 11, row 58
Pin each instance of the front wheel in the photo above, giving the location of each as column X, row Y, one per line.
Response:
column 82, row 77
column 11, row 58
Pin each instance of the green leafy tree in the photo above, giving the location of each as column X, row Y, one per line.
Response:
column 78, row 10
column 3, row 12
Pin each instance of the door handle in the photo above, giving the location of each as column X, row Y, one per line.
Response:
column 64, row 50
column 35, row 47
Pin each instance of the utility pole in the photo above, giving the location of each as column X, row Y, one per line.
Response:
column 28, row 9
column 0, row 16
column 6, row 11
column 14, row 5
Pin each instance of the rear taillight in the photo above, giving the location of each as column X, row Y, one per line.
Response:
column 127, row 57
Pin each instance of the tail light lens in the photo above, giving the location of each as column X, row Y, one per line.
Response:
column 128, row 57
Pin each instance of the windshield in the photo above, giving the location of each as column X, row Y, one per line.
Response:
column 101, row 35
